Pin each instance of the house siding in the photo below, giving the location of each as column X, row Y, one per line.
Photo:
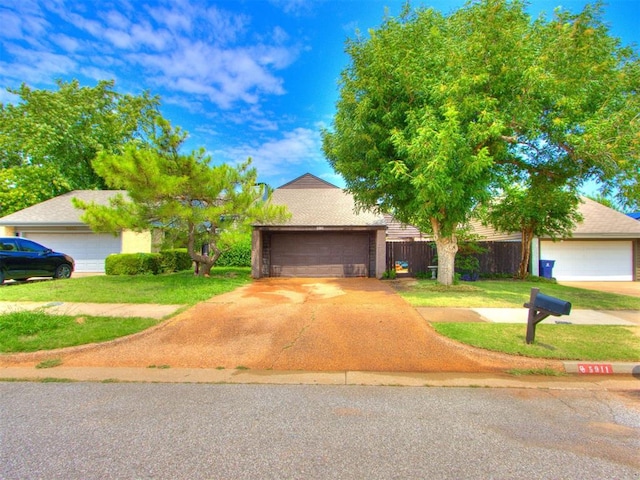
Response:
column 134, row 242
column 7, row 231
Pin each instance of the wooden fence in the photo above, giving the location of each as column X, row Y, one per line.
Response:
column 411, row 258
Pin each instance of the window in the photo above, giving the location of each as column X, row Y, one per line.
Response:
column 29, row 246
column 8, row 245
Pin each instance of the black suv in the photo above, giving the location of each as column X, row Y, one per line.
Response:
column 21, row 258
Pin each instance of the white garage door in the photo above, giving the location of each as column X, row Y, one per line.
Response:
column 590, row 260
column 88, row 249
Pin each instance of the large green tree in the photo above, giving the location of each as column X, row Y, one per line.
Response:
column 435, row 110
column 49, row 138
column 182, row 194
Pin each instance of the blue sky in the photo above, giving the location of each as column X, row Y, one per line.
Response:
column 245, row 78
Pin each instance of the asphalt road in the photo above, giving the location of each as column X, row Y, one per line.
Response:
column 197, row 431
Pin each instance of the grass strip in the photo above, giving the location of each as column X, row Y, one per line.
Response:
column 507, row 294
column 562, row 342
column 30, row 331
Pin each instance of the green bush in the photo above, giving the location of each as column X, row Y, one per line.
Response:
column 239, row 255
column 389, row 274
column 133, row 264
column 175, row 260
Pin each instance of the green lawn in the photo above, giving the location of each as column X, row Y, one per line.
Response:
column 38, row 330
column 182, row 288
column 565, row 342
column 507, row 294
column 30, row 331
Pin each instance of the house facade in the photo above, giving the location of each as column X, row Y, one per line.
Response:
column 56, row 223
column 604, row 246
column 324, row 237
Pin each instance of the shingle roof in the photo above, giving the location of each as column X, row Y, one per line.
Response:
column 398, row 232
column 599, row 221
column 328, row 207
column 604, row 222
column 308, row 181
column 58, row 211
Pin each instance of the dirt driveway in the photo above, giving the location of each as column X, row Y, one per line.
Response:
column 293, row 324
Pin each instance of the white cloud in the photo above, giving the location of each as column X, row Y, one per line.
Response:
column 35, row 67
column 116, row 20
column 118, row 38
column 200, row 56
column 66, row 43
column 183, row 46
column 276, row 157
column 296, row 7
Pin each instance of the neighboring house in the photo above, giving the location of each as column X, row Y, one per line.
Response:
column 325, row 236
column 55, row 223
column 605, row 246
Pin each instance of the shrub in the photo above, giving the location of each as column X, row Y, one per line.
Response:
column 239, row 255
column 133, row 264
column 389, row 274
column 175, row 260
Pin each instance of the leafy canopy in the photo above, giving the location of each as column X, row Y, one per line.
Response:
column 435, row 111
column 49, row 139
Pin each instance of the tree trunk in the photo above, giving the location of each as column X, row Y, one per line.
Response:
column 205, row 268
column 203, row 263
column 525, row 252
column 446, row 248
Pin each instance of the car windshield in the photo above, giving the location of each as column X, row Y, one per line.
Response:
column 29, row 246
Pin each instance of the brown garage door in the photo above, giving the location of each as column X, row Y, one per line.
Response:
column 326, row 254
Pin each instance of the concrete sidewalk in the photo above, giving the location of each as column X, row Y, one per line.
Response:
column 126, row 310
column 628, row 318
column 577, row 317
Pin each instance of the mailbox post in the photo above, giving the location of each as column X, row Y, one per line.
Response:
column 540, row 307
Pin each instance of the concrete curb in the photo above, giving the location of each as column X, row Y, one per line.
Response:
column 345, row 378
column 603, row 368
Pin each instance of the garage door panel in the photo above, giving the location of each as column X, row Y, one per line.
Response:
column 89, row 250
column 590, row 260
column 319, row 255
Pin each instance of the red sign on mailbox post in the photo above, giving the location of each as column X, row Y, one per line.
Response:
column 597, row 368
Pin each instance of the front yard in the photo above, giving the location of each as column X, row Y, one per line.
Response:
column 37, row 330
column 565, row 342
column 40, row 331
column 506, row 294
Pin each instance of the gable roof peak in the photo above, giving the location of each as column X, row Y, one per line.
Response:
column 307, row 181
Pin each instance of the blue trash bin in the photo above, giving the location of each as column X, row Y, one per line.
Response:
column 546, row 268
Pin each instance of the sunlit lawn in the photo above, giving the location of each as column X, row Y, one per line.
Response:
column 29, row 331
column 183, row 288
column 507, row 294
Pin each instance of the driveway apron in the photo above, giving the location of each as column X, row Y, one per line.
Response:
column 294, row 324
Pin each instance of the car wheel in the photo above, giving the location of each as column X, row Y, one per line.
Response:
column 63, row 271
